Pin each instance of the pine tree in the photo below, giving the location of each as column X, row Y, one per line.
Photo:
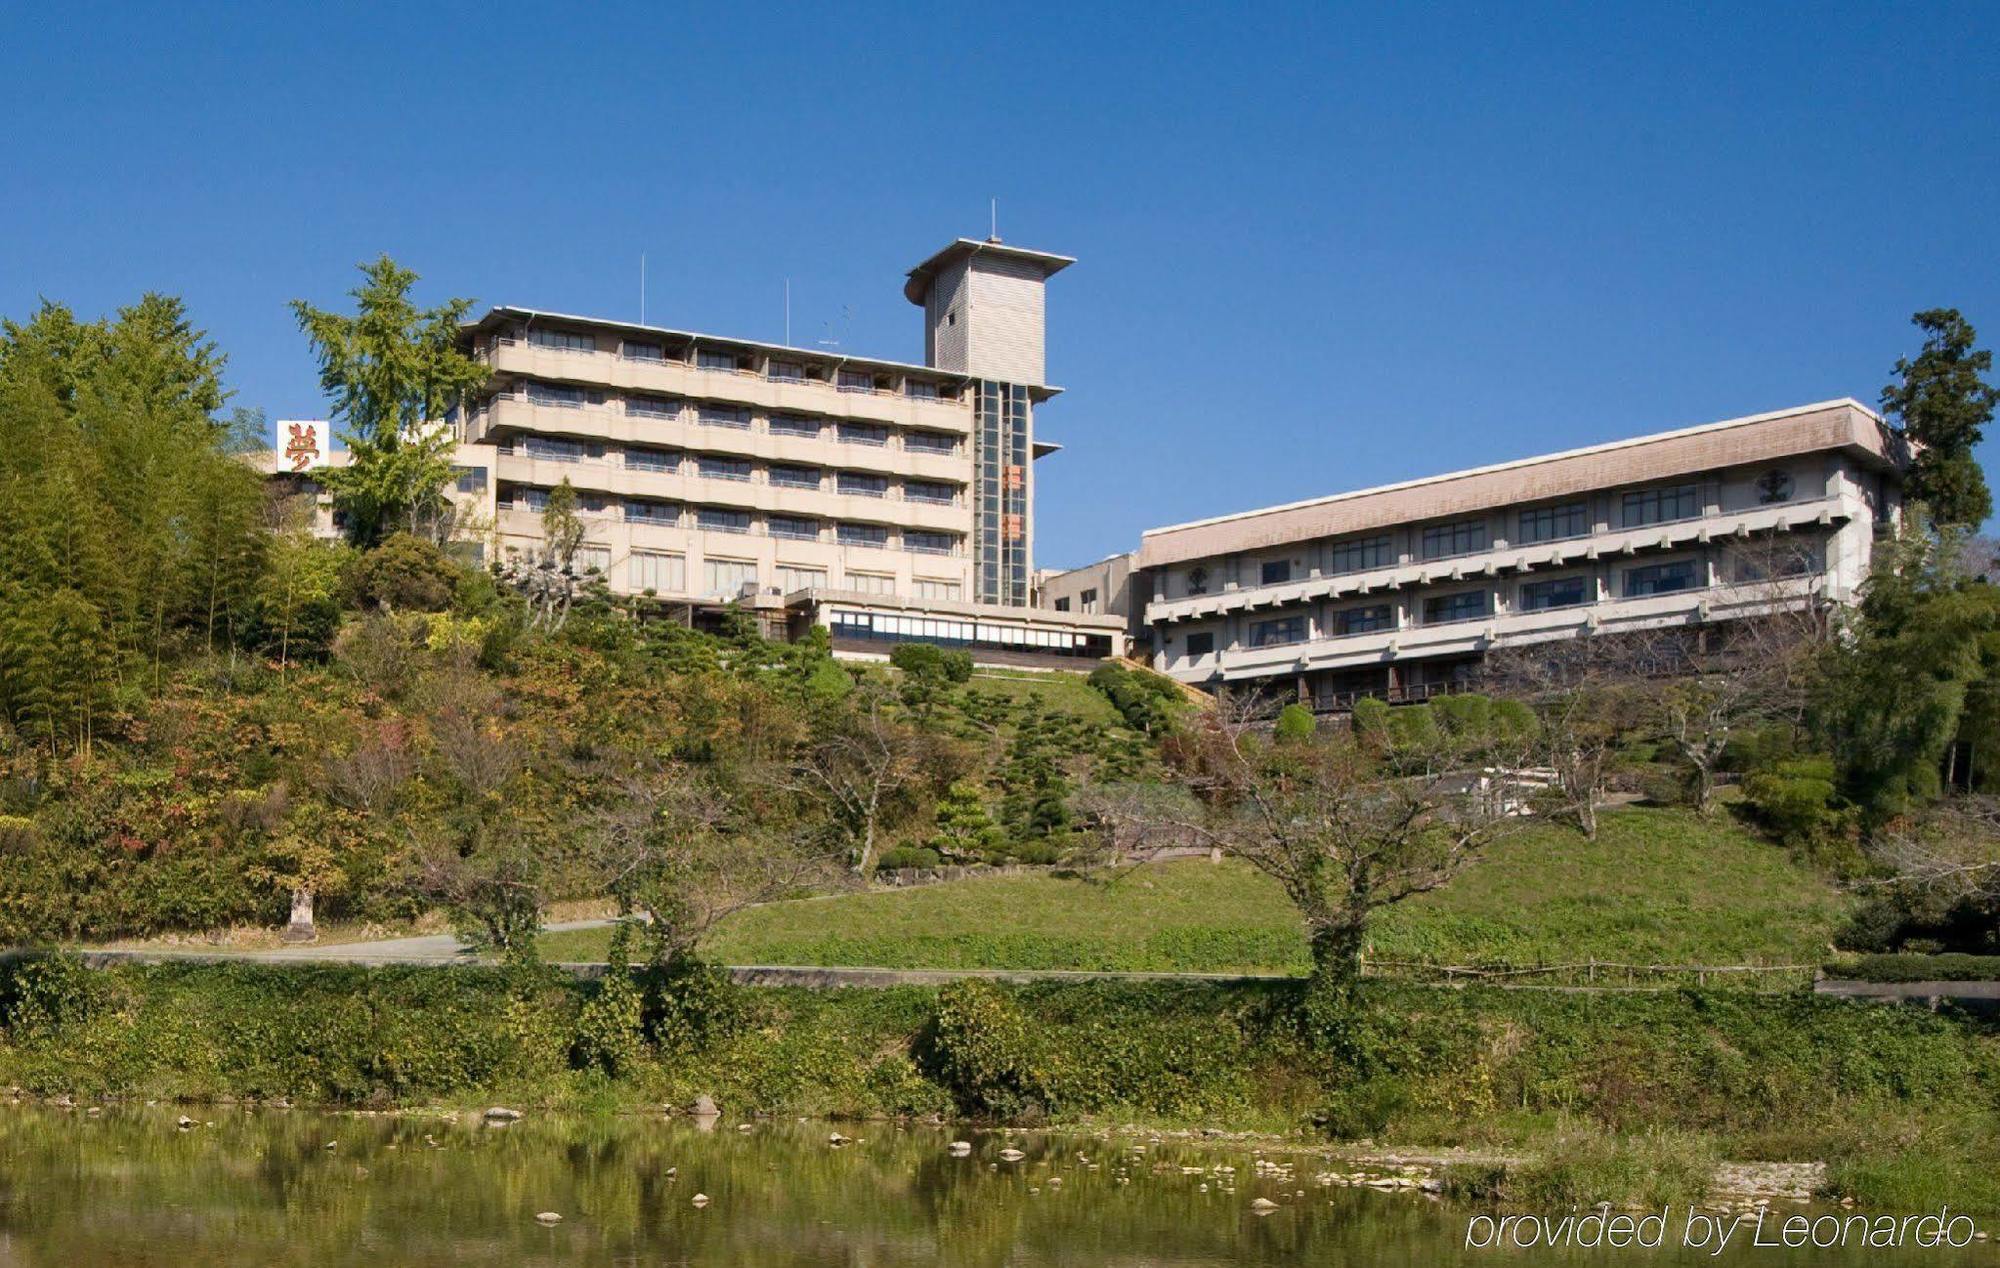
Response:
column 1943, row 405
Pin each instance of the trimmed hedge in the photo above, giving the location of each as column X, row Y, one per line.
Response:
column 1948, row 967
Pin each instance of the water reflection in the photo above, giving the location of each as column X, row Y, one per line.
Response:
column 127, row 1188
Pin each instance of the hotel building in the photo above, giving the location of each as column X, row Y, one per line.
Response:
column 886, row 501
column 1400, row 591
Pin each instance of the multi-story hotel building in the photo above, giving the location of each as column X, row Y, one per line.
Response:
column 887, row 501
column 1400, row 591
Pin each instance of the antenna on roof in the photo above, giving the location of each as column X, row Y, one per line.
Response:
column 993, row 233
column 642, row 288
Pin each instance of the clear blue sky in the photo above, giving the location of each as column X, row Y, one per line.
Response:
column 1319, row 247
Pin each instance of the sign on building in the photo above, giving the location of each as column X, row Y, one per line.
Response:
column 301, row 444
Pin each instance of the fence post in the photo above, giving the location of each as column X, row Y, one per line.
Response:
column 1593, row 968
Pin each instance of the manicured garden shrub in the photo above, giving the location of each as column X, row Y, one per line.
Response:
column 907, row 856
column 1947, row 967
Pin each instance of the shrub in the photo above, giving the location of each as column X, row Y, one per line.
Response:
column 404, row 573
column 1948, row 967
column 1295, row 722
column 978, row 1047
column 930, row 661
column 1796, row 800
column 42, row 991
column 907, row 856
column 1148, row 701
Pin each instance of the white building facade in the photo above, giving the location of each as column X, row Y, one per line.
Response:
column 1401, row 591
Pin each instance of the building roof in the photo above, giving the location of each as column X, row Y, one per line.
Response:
column 504, row 312
column 1844, row 424
column 919, row 285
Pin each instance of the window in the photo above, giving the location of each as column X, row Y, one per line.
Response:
column 928, row 491
column 725, row 416
column 862, row 535
column 936, row 588
column 1467, row 605
column 652, row 407
column 1359, row 554
column 1274, row 572
column 919, row 389
column 710, row 360
column 1062, row 605
column 1766, row 563
column 1290, row 629
column 549, row 449
column 794, row 477
column 531, row 499
column 470, row 479
column 718, row 519
column 861, row 484
column 786, row 372
column 791, row 577
column 1199, row 645
column 1662, row 506
column 641, row 350
column 862, row 434
column 1554, row 523
column 871, row 582
column 795, row 425
column 664, row 461
column 1442, row 541
column 1197, row 580
column 796, row 527
column 1682, row 574
column 1563, row 592
column 562, row 340
column 727, row 576
column 591, row 559
column 930, row 442
column 714, row 468
column 662, row 574
column 857, row 381
column 562, row 396
column 929, row 543
column 1376, row 616
column 1088, row 601
column 642, row 511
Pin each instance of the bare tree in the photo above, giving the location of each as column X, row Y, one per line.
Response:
column 1583, row 692
column 856, row 771
column 488, row 872
column 1346, row 824
column 672, row 847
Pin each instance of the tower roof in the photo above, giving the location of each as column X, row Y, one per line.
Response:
column 921, row 276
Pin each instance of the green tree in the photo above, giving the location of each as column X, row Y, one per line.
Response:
column 964, row 830
column 1921, row 669
column 393, row 371
column 1941, row 403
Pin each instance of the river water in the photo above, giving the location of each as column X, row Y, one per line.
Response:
column 127, row 1187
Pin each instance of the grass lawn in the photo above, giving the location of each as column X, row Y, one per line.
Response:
column 1067, row 692
column 1657, row 886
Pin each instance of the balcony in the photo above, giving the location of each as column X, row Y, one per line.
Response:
column 507, row 417
column 746, row 387
column 1511, row 559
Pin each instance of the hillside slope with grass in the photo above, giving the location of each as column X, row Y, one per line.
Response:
column 1657, row 886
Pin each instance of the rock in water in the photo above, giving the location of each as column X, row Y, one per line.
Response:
column 1011, row 1155
column 1263, row 1206
column 705, row 1105
column 548, row 1217
column 501, row 1114
column 701, row 1199
column 184, row 1122
column 960, row 1147
column 837, row 1140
